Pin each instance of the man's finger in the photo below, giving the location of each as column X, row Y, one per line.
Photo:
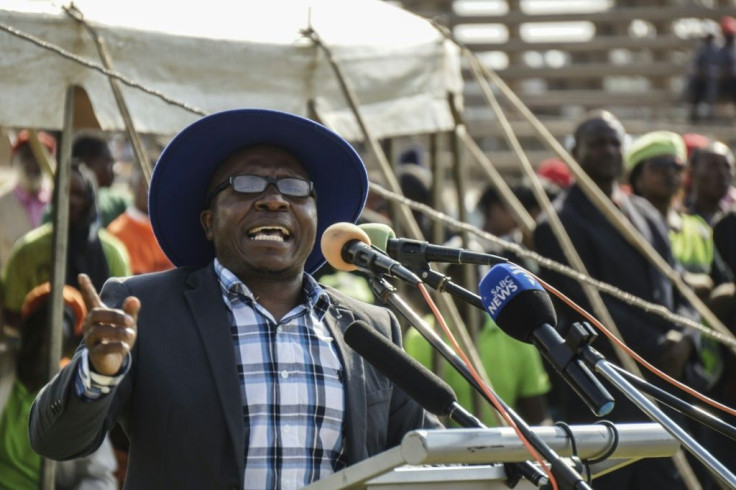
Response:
column 132, row 306
column 89, row 293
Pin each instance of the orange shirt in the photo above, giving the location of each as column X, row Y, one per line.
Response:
column 134, row 229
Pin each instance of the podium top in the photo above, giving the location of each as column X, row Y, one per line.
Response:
column 501, row 445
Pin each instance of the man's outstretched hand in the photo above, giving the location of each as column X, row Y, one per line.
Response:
column 109, row 333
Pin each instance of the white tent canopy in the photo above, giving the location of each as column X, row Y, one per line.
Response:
column 220, row 54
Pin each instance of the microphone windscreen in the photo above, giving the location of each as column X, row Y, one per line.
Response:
column 334, row 240
column 379, row 234
column 516, row 301
column 421, row 384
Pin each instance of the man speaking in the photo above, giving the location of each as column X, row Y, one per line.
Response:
column 231, row 371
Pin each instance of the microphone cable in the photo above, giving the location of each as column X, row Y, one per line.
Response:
column 486, row 390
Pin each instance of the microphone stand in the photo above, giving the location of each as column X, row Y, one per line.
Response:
column 695, row 413
column 579, row 337
column 442, row 283
column 566, row 475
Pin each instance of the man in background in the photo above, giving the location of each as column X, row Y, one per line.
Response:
column 134, row 229
column 609, row 257
column 95, row 154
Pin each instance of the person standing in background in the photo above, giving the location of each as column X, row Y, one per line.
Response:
column 711, row 175
column 90, row 249
column 704, row 79
column 23, row 200
column 134, row 229
column 95, row 154
column 22, row 374
column 609, row 257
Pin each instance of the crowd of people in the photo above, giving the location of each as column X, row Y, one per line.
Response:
column 229, row 367
column 677, row 192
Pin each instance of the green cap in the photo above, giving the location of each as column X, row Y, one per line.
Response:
column 655, row 144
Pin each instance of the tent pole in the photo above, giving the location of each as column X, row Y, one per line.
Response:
column 438, row 230
column 405, row 217
column 102, row 50
column 568, row 247
column 445, row 304
column 512, row 203
column 58, row 272
column 469, row 278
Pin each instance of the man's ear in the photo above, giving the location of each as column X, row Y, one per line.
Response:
column 205, row 217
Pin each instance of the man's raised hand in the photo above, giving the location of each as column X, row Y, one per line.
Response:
column 109, row 333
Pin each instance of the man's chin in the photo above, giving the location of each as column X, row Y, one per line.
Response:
column 278, row 273
column 272, row 271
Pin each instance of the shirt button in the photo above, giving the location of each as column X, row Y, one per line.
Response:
column 284, row 374
column 287, row 429
column 279, row 329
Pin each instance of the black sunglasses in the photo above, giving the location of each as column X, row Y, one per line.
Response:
column 255, row 184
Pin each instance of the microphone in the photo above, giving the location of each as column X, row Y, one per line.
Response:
column 347, row 248
column 418, row 253
column 381, row 235
column 532, row 321
column 421, row 384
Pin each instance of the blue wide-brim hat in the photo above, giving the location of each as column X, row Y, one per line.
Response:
column 179, row 182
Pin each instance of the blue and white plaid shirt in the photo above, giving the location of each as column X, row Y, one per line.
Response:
column 291, row 387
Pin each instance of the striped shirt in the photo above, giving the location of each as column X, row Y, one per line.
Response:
column 291, row 387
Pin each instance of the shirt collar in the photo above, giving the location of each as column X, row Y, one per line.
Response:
column 674, row 221
column 317, row 298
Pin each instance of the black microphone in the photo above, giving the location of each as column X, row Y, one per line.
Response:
column 421, row 384
column 418, row 253
column 346, row 247
column 532, row 320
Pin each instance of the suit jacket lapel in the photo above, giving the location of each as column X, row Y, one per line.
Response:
column 337, row 321
column 636, row 219
column 211, row 318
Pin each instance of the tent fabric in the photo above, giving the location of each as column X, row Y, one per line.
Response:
column 220, row 54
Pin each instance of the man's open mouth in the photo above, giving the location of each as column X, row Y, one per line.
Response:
column 269, row 233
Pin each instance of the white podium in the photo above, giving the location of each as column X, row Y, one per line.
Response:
column 474, row 456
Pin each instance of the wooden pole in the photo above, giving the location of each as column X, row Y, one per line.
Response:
column 412, row 228
column 58, row 272
column 104, row 54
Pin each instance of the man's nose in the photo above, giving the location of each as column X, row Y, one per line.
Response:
column 271, row 198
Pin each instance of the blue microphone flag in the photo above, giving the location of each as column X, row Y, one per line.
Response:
column 501, row 284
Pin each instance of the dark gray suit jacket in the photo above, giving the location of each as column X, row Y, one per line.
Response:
column 180, row 403
column 610, row 258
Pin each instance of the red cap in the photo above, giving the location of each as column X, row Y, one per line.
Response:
column 24, row 136
column 556, row 171
column 694, row 140
column 72, row 298
column 728, row 25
